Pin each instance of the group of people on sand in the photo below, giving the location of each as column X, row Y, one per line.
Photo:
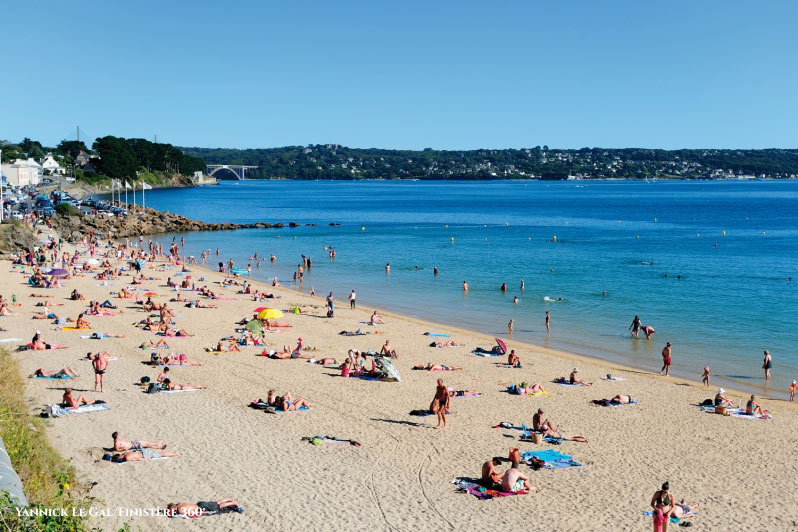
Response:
column 511, row 481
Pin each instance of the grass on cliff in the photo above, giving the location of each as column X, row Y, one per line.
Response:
column 49, row 481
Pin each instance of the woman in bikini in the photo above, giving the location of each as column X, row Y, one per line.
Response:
column 663, row 504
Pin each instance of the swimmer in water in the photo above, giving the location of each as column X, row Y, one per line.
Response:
column 465, row 286
column 515, row 299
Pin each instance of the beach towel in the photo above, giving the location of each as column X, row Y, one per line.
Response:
column 204, row 513
column 673, row 521
column 613, row 379
column 62, row 378
column 607, row 402
column 276, row 411
column 180, row 391
column 480, row 492
column 55, row 410
column 487, row 354
column 568, row 384
column 552, row 459
column 507, row 366
column 437, row 335
column 738, row 413
column 74, row 328
column 4, row 340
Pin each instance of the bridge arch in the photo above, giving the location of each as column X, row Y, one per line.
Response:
column 238, row 170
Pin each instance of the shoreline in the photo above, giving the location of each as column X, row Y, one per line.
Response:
column 528, row 346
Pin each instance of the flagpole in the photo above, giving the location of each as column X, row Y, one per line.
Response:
column 126, row 193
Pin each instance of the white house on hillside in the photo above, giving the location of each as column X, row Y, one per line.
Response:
column 22, row 172
column 51, row 166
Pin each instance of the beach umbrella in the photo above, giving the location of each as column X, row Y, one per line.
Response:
column 150, row 294
column 501, row 344
column 254, row 326
column 259, row 309
column 57, row 272
column 269, row 314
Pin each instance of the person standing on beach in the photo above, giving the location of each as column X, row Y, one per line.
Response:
column 792, row 389
column 666, row 360
column 548, row 321
column 440, row 403
column 705, row 376
column 100, row 364
column 510, row 327
column 352, row 298
column 331, row 306
column 767, row 364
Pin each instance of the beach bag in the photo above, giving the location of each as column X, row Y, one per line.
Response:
column 707, row 402
column 154, row 387
column 515, row 455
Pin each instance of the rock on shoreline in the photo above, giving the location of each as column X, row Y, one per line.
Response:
column 150, row 222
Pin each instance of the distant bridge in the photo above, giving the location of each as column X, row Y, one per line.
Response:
column 239, row 170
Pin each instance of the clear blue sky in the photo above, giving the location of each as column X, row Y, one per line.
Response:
column 405, row 74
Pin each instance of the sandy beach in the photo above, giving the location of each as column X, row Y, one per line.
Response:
column 740, row 471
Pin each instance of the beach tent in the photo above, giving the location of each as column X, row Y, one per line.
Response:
column 255, row 327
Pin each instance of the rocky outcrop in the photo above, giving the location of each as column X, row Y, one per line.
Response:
column 15, row 237
column 149, row 222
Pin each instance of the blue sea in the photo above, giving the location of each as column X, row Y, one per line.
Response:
column 705, row 263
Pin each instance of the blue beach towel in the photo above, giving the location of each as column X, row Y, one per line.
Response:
column 289, row 411
column 437, row 335
column 553, row 459
column 63, row 378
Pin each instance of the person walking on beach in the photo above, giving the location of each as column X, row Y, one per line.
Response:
column 510, row 327
column 440, row 403
column 352, row 298
column 331, row 306
column 666, row 360
column 705, row 376
column 767, row 364
column 548, row 321
column 792, row 389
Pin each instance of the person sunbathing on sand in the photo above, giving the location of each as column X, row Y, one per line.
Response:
column 623, row 400
column 141, row 455
column 170, row 386
column 514, row 480
column 573, row 380
column 463, row 393
column 203, row 507
column 150, row 345
column 41, row 345
column 285, row 403
column 70, row 402
column 753, row 408
column 232, row 348
column 376, row 319
column 437, row 367
column 82, row 323
column 60, row 374
column 328, row 361
column 722, row 400
column 388, row 351
column 134, row 445
column 543, row 426
column 173, row 359
column 530, row 389
column 446, row 343
column 170, row 331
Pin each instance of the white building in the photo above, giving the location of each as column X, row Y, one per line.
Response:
column 22, row 172
column 51, row 166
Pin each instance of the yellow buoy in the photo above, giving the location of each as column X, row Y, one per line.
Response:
column 655, row 219
column 363, row 228
column 724, row 233
column 452, row 239
column 555, row 238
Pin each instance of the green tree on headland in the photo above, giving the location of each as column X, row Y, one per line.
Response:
column 71, row 148
column 117, row 158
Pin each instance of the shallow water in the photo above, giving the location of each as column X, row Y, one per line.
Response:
column 731, row 302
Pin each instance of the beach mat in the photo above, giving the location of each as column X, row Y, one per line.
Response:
column 287, row 411
column 436, row 335
column 180, row 391
column 552, row 459
column 58, row 411
column 65, row 377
